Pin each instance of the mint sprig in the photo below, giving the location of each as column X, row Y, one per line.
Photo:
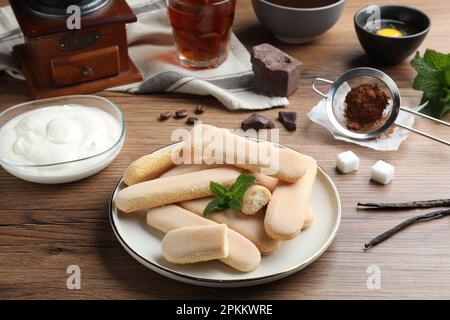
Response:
column 433, row 79
column 229, row 197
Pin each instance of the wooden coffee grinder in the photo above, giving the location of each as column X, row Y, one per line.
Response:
column 57, row 60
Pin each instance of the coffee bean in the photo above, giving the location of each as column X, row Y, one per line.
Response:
column 180, row 114
column 191, row 121
column 200, row 109
column 165, row 115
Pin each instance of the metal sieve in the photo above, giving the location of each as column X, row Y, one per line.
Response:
column 335, row 104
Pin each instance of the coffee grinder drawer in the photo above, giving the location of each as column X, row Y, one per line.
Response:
column 85, row 66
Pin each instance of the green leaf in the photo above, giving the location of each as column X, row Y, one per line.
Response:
column 224, row 203
column 447, row 76
column 218, row 190
column 433, row 79
column 437, row 108
column 428, row 109
column 445, row 105
column 447, row 97
column 436, row 59
column 235, row 204
column 213, row 205
column 243, row 182
column 429, row 85
column 228, row 198
column 428, row 78
column 420, row 65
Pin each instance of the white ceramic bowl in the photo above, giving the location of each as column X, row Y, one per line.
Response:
column 297, row 25
column 55, row 173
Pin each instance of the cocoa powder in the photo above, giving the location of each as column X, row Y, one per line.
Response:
column 365, row 105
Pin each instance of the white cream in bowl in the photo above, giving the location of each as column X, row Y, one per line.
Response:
column 47, row 144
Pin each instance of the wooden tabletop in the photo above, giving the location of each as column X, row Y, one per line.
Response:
column 45, row 229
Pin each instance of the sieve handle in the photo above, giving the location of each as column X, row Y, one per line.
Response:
column 317, row 90
column 425, row 116
column 423, row 134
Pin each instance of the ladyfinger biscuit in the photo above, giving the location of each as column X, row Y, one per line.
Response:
column 309, row 218
column 266, row 181
column 286, row 211
column 150, row 166
column 188, row 168
column 242, row 253
column 195, row 244
column 225, row 147
column 254, row 199
column 158, row 192
column 251, row 227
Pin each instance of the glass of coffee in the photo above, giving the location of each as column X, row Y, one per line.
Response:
column 201, row 31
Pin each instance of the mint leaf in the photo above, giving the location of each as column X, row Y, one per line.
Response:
column 429, row 108
column 447, row 76
column 445, row 110
column 433, row 79
column 213, row 205
column 228, row 198
column 447, row 97
column 436, row 59
column 243, row 182
column 218, row 190
column 430, row 86
column 445, row 104
column 427, row 79
column 235, row 204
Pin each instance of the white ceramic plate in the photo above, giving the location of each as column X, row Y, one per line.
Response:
column 144, row 244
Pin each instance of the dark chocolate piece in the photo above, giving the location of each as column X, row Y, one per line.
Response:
column 165, row 115
column 257, row 122
column 288, row 119
column 180, row 114
column 200, row 109
column 191, row 120
column 276, row 73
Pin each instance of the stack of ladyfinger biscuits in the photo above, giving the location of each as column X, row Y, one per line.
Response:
column 175, row 193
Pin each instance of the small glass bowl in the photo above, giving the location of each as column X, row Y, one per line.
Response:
column 68, row 171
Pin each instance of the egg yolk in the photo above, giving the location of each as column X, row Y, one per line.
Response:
column 389, row 32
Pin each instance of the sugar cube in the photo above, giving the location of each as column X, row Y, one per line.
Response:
column 382, row 172
column 347, row 162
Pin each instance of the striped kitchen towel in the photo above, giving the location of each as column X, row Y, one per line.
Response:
column 151, row 48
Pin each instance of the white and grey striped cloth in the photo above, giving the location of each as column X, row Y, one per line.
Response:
column 151, row 48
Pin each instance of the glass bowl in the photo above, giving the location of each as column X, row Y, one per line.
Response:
column 68, row 171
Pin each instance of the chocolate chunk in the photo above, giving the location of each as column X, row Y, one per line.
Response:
column 200, row 109
column 180, row 114
column 276, row 73
column 191, row 120
column 257, row 122
column 288, row 119
column 165, row 115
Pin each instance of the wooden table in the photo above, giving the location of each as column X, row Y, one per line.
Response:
column 44, row 229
